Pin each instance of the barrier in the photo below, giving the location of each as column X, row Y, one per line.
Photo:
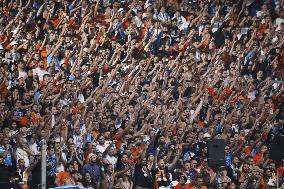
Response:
column 69, row 187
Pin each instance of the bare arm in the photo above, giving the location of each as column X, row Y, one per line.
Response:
column 178, row 154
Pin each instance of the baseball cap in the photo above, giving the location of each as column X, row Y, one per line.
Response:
column 91, row 155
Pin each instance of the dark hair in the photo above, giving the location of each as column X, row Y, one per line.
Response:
column 49, row 147
column 68, row 165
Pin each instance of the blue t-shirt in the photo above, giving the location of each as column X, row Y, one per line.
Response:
column 51, row 170
column 8, row 158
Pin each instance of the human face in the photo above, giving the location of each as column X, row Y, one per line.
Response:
column 57, row 145
column 193, row 164
column 1, row 161
column 77, row 130
column 232, row 186
column 187, row 166
column 87, row 176
column 2, row 106
column 21, row 163
column 50, row 151
column 112, row 151
column 5, row 141
column 18, row 103
column 227, row 149
column 110, row 168
column 72, row 147
column 161, row 164
column 101, row 140
column 124, row 158
column 70, row 168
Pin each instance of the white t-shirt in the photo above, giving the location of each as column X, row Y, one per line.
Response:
column 22, row 74
column 102, row 148
column 111, row 159
column 34, row 148
column 138, row 22
column 22, row 154
column 40, row 73
column 278, row 22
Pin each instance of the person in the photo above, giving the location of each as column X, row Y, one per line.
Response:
column 93, row 169
column 109, row 178
column 143, row 176
column 51, row 164
column 64, row 177
column 7, row 152
column 198, row 184
column 182, row 183
column 87, row 182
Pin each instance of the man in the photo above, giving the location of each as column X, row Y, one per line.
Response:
column 6, row 151
column 21, row 169
column 102, row 145
column 142, row 175
column 163, row 176
column 23, row 151
column 122, row 162
column 110, row 156
column 74, row 155
column 51, row 163
column 87, row 181
column 39, row 71
column 93, row 168
column 198, row 183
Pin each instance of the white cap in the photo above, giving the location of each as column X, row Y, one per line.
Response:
column 58, row 139
column 85, row 49
column 207, row 135
column 14, row 43
column 120, row 10
column 147, row 5
column 90, row 155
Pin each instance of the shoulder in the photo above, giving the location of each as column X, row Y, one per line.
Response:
column 86, row 166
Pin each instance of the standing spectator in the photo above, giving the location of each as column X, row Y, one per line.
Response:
column 93, row 169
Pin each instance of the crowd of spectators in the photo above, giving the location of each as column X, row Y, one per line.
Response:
column 127, row 93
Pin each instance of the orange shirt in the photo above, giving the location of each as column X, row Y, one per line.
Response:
column 24, row 121
column 257, row 158
column 263, row 28
column 248, row 150
column 211, row 91
column 64, row 178
column 118, row 142
column 137, row 151
column 178, row 186
column 95, row 133
column 3, row 91
column 35, row 118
